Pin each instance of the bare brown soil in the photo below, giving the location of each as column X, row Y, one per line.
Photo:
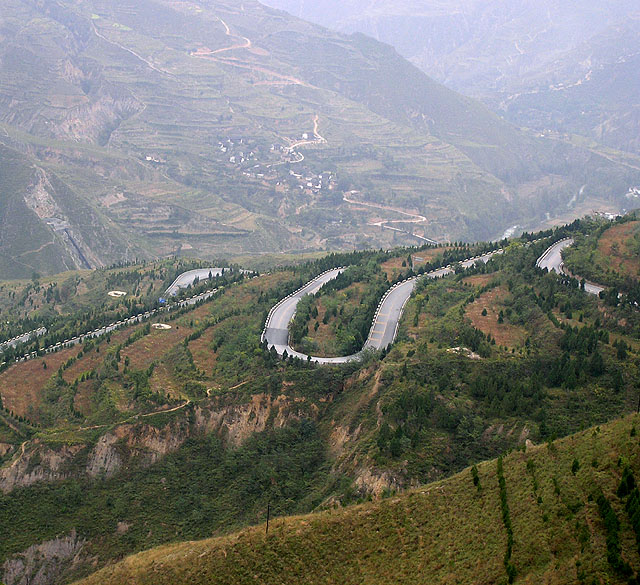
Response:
column 22, row 385
column 616, row 245
column 505, row 334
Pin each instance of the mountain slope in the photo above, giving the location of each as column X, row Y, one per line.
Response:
column 592, row 90
column 212, row 128
column 532, row 62
column 151, row 434
column 44, row 225
column 553, row 506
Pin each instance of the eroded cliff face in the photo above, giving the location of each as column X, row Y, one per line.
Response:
column 40, row 198
column 83, row 105
column 140, row 444
column 236, row 423
column 143, row 444
column 43, row 564
column 135, row 444
column 377, row 482
column 35, row 463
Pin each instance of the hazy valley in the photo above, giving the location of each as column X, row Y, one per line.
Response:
column 214, row 129
column 565, row 67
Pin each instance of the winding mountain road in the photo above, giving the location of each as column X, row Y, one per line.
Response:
column 384, row 327
column 186, row 279
column 552, row 261
column 414, row 217
column 387, row 317
column 385, row 323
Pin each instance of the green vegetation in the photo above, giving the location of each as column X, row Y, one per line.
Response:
column 203, row 489
column 77, row 302
column 557, row 538
column 629, row 488
column 345, row 306
column 612, row 527
column 608, row 253
column 506, row 520
column 143, row 408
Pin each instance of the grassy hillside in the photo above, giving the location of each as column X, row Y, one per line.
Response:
column 547, row 511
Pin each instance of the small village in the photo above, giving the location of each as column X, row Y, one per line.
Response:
column 284, row 168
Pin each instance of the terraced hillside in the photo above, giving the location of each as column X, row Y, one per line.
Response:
column 211, row 128
column 556, row 66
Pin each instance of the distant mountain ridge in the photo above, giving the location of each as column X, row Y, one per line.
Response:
column 521, row 59
column 216, row 129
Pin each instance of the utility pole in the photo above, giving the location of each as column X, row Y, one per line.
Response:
column 268, row 516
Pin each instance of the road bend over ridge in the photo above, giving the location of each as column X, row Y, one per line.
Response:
column 385, row 321
column 552, row 261
column 384, row 327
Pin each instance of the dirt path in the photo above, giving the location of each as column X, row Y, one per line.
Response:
column 246, row 43
column 116, row 44
column 23, row 447
column 316, row 132
column 285, row 79
column 179, row 407
column 235, row 62
column 130, row 419
column 317, row 138
column 51, row 243
column 238, row 385
column 415, row 218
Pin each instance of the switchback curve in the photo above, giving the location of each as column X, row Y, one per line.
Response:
column 384, row 327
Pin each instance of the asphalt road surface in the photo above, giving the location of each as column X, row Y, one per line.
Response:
column 552, row 261
column 385, row 323
column 188, row 278
column 277, row 328
column 552, row 257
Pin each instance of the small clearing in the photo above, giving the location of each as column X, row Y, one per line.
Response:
column 505, row 334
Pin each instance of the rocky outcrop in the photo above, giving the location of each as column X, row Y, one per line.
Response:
column 376, row 482
column 43, row 564
column 38, row 463
column 236, row 423
column 143, row 444
column 41, row 199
